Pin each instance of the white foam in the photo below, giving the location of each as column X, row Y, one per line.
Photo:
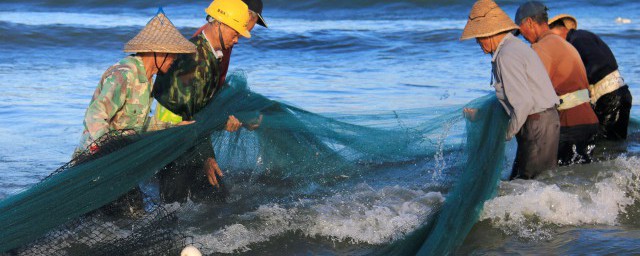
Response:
column 530, row 209
column 372, row 217
column 271, row 221
column 361, row 216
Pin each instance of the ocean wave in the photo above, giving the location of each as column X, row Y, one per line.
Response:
column 110, row 31
column 87, row 20
column 365, row 215
column 295, row 26
column 533, row 209
column 308, row 4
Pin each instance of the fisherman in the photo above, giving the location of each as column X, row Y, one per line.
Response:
column 579, row 124
column 188, row 86
column 122, row 100
column 610, row 96
column 522, row 87
column 255, row 17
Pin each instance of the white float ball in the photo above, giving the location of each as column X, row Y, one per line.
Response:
column 190, row 250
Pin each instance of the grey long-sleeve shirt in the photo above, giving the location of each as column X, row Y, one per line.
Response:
column 522, row 84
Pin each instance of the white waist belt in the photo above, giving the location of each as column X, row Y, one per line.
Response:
column 608, row 84
column 573, row 99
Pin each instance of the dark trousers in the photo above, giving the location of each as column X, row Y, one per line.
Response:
column 537, row 145
column 577, row 144
column 186, row 178
column 613, row 111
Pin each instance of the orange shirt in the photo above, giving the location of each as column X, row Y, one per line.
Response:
column 567, row 73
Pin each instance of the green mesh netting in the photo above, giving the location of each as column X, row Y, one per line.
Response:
column 477, row 183
column 291, row 144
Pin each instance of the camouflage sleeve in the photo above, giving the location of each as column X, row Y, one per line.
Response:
column 106, row 103
column 174, row 89
column 153, row 124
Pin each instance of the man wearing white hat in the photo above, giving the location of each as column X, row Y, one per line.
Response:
column 122, row 100
column 522, row 86
column 610, row 96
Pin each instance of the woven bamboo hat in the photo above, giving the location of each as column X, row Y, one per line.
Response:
column 160, row 35
column 486, row 19
column 569, row 21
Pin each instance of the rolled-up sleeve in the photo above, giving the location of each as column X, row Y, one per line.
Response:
column 512, row 71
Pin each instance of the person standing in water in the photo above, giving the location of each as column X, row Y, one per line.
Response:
column 123, row 98
column 188, row 86
column 610, row 96
column 522, row 86
column 579, row 124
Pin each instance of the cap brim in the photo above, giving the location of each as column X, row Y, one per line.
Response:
column 261, row 21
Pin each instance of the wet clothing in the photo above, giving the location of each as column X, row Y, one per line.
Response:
column 525, row 91
column 568, row 76
column 521, row 82
column 187, row 87
column 614, row 107
column 613, row 110
column 122, row 100
column 537, row 153
column 185, row 178
column 576, row 144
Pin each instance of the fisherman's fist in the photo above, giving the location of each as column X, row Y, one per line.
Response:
column 233, row 124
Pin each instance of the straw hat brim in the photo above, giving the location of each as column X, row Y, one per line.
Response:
column 160, row 35
column 569, row 21
column 487, row 19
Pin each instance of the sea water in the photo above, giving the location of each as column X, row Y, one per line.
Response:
column 338, row 58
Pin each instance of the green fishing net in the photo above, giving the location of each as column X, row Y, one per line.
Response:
column 67, row 213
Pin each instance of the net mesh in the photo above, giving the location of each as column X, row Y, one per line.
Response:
column 89, row 206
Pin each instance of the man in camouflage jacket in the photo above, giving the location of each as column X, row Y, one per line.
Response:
column 189, row 85
column 122, row 100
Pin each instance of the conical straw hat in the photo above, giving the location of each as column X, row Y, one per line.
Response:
column 486, row 19
column 569, row 21
column 160, row 35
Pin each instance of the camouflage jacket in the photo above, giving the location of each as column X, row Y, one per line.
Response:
column 121, row 101
column 191, row 82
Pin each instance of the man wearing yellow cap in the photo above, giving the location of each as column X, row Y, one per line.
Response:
column 610, row 96
column 522, row 86
column 122, row 100
column 255, row 13
column 188, row 86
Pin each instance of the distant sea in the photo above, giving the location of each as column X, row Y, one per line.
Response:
column 331, row 57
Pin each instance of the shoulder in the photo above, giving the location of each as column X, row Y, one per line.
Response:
column 584, row 38
column 515, row 50
column 580, row 33
column 127, row 65
column 551, row 45
column 122, row 71
column 551, row 40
